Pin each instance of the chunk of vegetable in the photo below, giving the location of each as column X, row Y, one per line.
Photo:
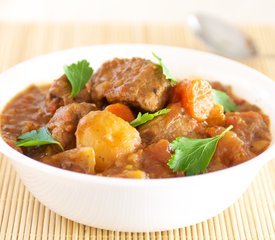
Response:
column 121, row 110
column 196, row 97
column 77, row 159
column 216, row 115
column 110, row 136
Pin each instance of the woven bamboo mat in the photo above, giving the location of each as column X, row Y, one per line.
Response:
column 23, row 217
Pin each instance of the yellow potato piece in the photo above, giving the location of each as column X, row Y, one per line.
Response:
column 110, row 136
column 76, row 159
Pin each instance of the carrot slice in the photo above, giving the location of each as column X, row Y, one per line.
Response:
column 216, row 116
column 197, row 98
column 121, row 110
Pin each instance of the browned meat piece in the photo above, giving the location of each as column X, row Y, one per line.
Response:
column 59, row 94
column 136, row 81
column 155, row 159
column 252, row 128
column 169, row 126
column 231, row 150
column 64, row 122
column 77, row 159
column 148, row 162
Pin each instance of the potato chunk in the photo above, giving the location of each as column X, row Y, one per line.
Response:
column 110, row 136
column 77, row 159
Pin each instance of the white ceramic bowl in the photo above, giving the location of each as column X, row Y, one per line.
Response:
column 139, row 205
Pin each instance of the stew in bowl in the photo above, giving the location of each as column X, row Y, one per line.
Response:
column 132, row 119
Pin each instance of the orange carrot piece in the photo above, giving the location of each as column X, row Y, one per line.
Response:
column 216, row 116
column 121, row 110
column 197, row 98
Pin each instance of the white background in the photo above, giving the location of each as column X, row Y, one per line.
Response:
column 243, row 11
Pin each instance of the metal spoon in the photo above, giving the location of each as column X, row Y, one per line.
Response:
column 221, row 37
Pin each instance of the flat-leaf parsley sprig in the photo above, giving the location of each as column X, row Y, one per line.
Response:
column 165, row 70
column 143, row 118
column 192, row 156
column 39, row 137
column 78, row 75
column 223, row 99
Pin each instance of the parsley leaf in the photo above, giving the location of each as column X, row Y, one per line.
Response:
column 41, row 136
column 223, row 99
column 193, row 155
column 165, row 70
column 78, row 75
column 143, row 118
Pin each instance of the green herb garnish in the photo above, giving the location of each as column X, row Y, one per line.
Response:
column 143, row 118
column 165, row 70
column 78, row 75
column 193, row 155
column 223, row 99
column 42, row 136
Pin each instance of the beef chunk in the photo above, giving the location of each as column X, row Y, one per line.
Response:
column 169, row 126
column 60, row 94
column 136, row 81
column 155, row 159
column 230, row 151
column 64, row 122
column 252, row 128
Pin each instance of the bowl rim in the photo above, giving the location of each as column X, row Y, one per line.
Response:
column 14, row 155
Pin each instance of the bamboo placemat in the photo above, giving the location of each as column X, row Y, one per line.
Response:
column 23, row 217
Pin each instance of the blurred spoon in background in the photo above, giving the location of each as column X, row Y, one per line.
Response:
column 222, row 38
